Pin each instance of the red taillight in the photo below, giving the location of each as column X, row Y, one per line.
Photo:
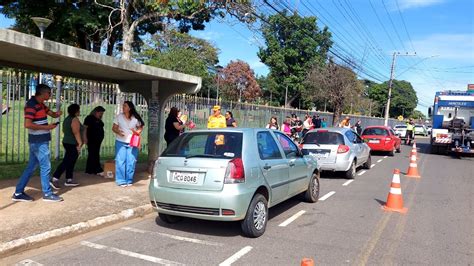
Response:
column 235, row 172
column 300, row 146
column 342, row 148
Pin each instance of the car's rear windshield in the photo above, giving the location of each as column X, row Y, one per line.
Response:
column 375, row 131
column 400, row 127
column 323, row 137
column 206, row 145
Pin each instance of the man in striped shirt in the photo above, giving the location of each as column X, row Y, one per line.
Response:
column 39, row 135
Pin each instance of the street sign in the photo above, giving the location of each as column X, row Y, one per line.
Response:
column 400, row 118
column 470, row 87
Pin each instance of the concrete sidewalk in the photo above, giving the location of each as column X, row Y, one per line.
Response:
column 95, row 203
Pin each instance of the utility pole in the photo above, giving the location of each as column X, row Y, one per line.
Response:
column 390, row 82
column 286, row 96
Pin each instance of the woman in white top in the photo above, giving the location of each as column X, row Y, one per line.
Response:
column 125, row 125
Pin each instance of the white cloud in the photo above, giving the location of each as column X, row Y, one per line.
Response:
column 458, row 47
column 407, row 4
column 256, row 64
column 208, row 35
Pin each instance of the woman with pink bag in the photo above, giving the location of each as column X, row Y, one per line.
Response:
column 127, row 127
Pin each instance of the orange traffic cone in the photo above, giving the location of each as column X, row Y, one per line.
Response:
column 307, row 262
column 394, row 199
column 413, row 168
column 413, row 150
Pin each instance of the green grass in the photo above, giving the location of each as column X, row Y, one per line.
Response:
column 14, row 170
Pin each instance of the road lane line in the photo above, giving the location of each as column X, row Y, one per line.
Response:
column 361, row 173
column 348, row 182
column 385, row 157
column 292, row 218
column 372, row 165
column 379, row 160
column 181, row 238
column 129, row 253
column 29, row 263
column 325, row 197
column 236, row 256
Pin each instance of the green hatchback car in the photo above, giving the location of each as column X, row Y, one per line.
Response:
column 231, row 175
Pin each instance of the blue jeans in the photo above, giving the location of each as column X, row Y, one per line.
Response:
column 125, row 161
column 39, row 155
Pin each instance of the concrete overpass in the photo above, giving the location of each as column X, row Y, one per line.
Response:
column 28, row 52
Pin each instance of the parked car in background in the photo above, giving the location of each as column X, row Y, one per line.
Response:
column 420, row 130
column 337, row 149
column 382, row 138
column 231, row 174
column 400, row 131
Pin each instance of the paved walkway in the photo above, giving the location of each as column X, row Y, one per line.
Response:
column 25, row 224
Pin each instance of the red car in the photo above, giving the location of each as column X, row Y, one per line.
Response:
column 382, row 138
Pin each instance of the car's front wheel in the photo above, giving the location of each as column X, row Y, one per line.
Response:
column 312, row 194
column 368, row 163
column 255, row 220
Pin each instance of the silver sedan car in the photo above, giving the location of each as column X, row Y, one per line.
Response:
column 231, row 175
column 337, row 149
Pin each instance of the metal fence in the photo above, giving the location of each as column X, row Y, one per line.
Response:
column 16, row 87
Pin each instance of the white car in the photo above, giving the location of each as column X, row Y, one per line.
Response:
column 401, row 131
column 420, row 130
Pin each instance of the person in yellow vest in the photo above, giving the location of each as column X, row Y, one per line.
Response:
column 410, row 131
column 216, row 120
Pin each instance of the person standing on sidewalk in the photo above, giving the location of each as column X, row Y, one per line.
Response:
column 216, row 120
column 72, row 143
column 39, row 136
column 126, row 124
column 94, row 128
column 173, row 126
column 229, row 119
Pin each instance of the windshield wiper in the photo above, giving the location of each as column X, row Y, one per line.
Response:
column 203, row 156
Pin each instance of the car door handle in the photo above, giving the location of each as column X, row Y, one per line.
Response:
column 266, row 167
column 291, row 163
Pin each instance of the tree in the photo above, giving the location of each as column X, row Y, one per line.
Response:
column 418, row 115
column 138, row 17
column 404, row 99
column 183, row 53
column 334, row 83
column 269, row 90
column 75, row 22
column 293, row 45
column 238, row 82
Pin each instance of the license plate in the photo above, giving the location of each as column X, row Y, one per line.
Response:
column 320, row 155
column 185, row 178
column 374, row 141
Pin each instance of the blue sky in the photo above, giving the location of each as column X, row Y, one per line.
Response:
column 441, row 32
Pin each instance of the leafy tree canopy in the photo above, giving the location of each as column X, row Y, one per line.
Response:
column 404, row 99
column 238, row 82
column 293, row 45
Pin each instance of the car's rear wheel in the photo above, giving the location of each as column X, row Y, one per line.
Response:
column 368, row 163
column 255, row 220
column 312, row 194
column 392, row 152
column 350, row 174
column 399, row 149
column 169, row 219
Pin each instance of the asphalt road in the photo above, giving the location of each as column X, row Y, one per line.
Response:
column 347, row 226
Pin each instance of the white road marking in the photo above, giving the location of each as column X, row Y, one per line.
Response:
column 182, row 238
column 379, row 160
column 386, row 156
column 130, row 254
column 372, row 165
column 325, row 197
column 348, row 182
column 292, row 218
column 29, row 262
column 236, row 256
column 361, row 173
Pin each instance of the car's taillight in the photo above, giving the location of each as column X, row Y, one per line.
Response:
column 235, row 172
column 342, row 148
column 300, row 146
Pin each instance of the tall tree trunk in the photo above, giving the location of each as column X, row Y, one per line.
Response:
column 127, row 40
